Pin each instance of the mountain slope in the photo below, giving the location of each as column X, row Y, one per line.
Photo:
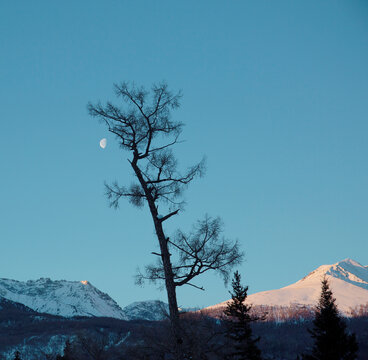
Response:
column 10, row 309
column 64, row 298
column 152, row 310
column 348, row 280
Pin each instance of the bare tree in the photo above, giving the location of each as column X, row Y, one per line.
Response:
column 201, row 250
column 92, row 345
column 145, row 128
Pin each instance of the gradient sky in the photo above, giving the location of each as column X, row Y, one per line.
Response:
column 275, row 95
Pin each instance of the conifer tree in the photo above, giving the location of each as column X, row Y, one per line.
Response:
column 239, row 330
column 17, row 355
column 67, row 352
column 331, row 340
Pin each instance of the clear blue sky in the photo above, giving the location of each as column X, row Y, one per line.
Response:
column 275, row 95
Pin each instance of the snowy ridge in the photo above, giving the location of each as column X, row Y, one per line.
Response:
column 348, row 281
column 76, row 298
column 61, row 297
column 147, row 310
column 152, row 310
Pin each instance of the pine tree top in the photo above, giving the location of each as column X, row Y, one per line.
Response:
column 239, row 331
column 237, row 308
column 331, row 340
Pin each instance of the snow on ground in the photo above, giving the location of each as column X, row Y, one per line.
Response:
column 348, row 281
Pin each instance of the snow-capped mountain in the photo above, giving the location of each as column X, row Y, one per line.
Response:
column 153, row 310
column 76, row 298
column 147, row 310
column 61, row 297
column 348, row 281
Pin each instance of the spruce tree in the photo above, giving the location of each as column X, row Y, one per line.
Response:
column 17, row 355
column 67, row 352
column 239, row 330
column 331, row 340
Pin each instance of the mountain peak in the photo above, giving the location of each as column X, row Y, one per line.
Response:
column 349, row 261
column 347, row 270
column 348, row 281
column 61, row 297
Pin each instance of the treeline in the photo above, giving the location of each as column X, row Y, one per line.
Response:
column 359, row 311
column 272, row 313
column 277, row 340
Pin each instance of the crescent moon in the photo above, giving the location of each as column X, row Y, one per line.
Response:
column 103, row 143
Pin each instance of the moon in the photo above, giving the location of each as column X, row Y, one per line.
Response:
column 103, row 143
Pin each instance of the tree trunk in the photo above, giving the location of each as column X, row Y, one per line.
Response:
column 170, row 289
column 165, row 256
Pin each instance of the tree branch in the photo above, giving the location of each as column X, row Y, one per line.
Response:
column 168, row 215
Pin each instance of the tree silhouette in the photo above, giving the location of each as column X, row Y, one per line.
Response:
column 239, row 330
column 17, row 356
column 331, row 340
column 67, row 352
column 144, row 128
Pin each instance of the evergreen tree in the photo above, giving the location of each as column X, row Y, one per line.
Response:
column 331, row 340
column 17, row 355
column 67, row 352
column 239, row 330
